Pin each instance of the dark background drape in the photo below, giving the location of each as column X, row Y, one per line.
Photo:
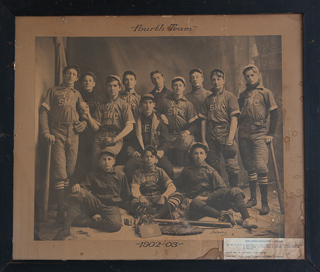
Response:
column 174, row 56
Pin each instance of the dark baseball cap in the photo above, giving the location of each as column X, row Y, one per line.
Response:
column 198, row 145
column 107, row 151
column 147, row 96
column 150, row 148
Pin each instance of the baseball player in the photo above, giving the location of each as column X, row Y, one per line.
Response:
column 257, row 104
column 93, row 100
column 152, row 188
column 205, row 192
column 179, row 114
column 95, row 201
column 160, row 90
column 219, row 115
column 60, row 126
column 113, row 121
column 197, row 96
column 149, row 130
column 129, row 94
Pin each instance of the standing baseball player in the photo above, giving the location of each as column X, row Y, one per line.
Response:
column 149, row 130
column 113, row 121
column 160, row 90
column 129, row 94
column 220, row 114
column 60, row 126
column 257, row 104
column 197, row 95
column 179, row 114
column 93, row 100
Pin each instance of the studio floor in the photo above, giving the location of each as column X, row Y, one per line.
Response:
column 269, row 226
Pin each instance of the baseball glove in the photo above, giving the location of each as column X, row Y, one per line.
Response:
column 183, row 143
column 230, row 151
column 227, row 216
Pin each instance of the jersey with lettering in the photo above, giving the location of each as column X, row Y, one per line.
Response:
column 62, row 102
column 114, row 115
column 133, row 99
column 151, row 181
column 195, row 180
column 220, row 107
column 257, row 103
column 180, row 113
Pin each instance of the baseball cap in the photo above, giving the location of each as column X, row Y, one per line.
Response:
column 198, row 145
column 147, row 96
column 113, row 77
column 107, row 151
column 195, row 70
column 251, row 66
column 150, row 148
column 178, row 78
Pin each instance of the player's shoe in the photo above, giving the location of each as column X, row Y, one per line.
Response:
column 62, row 234
column 249, row 223
column 251, row 202
column 264, row 210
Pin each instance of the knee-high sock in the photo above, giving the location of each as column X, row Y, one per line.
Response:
column 252, row 177
column 264, row 194
column 73, row 212
column 241, row 206
column 59, row 195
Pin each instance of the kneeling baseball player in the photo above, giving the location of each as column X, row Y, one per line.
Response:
column 152, row 189
column 95, row 202
column 206, row 193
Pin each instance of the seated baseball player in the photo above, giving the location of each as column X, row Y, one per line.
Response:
column 113, row 121
column 149, row 130
column 95, row 201
column 152, row 189
column 179, row 114
column 60, row 125
column 206, row 193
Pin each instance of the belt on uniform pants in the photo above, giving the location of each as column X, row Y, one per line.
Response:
column 218, row 125
column 62, row 124
column 255, row 122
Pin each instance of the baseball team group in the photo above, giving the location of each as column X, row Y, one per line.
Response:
column 91, row 134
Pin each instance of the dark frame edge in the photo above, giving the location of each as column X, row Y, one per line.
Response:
column 7, row 46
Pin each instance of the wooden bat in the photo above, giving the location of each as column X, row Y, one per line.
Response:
column 46, row 187
column 279, row 189
column 195, row 223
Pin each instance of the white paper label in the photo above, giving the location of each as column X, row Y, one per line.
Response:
column 263, row 248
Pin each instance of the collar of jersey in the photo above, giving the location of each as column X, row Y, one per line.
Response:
column 214, row 93
column 128, row 93
column 64, row 86
column 173, row 98
column 113, row 170
column 153, row 169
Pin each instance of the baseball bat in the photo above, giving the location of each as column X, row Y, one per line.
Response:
column 279, row 189
column 46, row 186
column 195, row 223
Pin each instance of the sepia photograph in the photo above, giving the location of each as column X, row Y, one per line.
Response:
column 163, row 139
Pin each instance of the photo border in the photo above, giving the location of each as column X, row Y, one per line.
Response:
column 310, row 11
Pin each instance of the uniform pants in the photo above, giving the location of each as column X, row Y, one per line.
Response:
column 84, row 203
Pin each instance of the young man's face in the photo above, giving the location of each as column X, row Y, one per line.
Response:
column 251, row 77
column 199, row 155
column 217, row 82
column 113, row 88
column 149, row 159
column 178, row 88
column 129, row 82
column 147, row 107
column 88, row 83
column 196, row 79
column 107, row 162
column 158, row 81
column 70, row 77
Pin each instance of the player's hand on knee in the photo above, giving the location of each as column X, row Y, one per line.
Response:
column 164, row 119
column 80, row 126
column 143, row 201
column 136, row 154
column 97, row 217
column 268, row 139
column 202, row 198
column 162, row 201
column 75, row 188
column 50, row 138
